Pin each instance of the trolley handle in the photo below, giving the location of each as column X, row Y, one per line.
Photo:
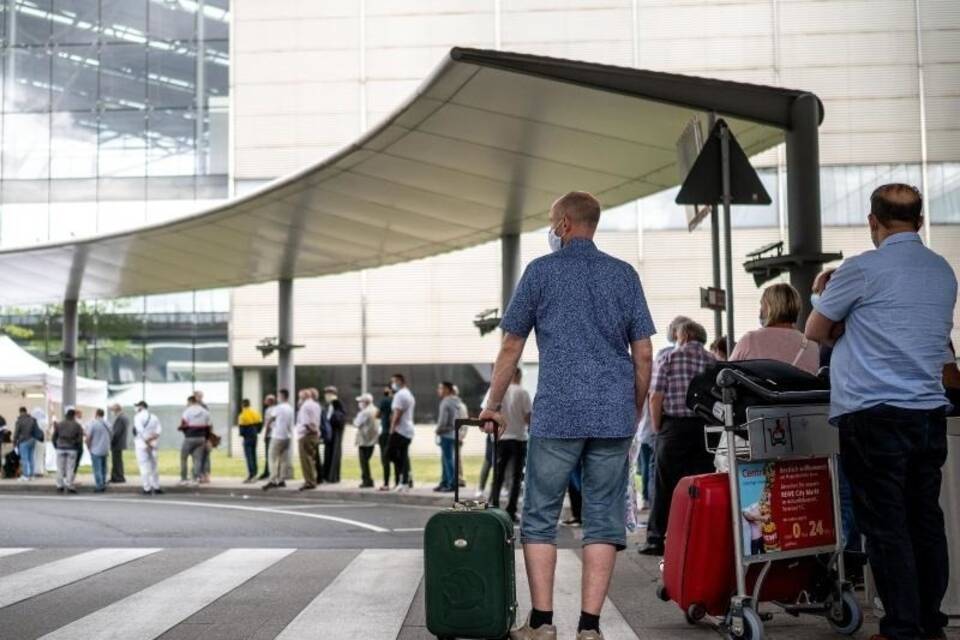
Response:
column 469, row 422
column 728, row 378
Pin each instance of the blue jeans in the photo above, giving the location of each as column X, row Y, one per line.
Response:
column 550, row 462
column 892, row 458
column 644, row 467
column 250, row 453
column 26, row 458
column 99, row 470
column 448, row 450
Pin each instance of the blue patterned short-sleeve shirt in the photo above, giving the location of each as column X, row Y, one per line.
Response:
column 586, row 307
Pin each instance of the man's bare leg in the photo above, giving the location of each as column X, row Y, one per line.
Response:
column 598, row 563
column 541, row 562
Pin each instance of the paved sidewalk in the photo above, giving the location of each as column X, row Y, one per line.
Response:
column 347, row 491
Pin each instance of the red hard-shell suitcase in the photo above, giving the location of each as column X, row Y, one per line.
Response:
column 698, row 559
column 698, row 555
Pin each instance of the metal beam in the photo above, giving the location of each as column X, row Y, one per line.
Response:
column 68, row 358
column 509, row 268
column 803, row 195
column 285, row 370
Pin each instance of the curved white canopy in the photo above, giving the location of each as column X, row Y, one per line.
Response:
column 480, row 150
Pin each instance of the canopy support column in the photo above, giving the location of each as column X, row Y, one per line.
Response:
column 509, row 267
column 285, row 371
column 803, row 196
column 68, row 357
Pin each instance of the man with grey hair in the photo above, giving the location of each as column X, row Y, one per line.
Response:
column 593, row 333
column 118, row 442
column 680, row 449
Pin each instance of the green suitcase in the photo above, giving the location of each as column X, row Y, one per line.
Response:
column 469, row 574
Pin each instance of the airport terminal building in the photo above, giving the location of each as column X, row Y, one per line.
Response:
column 119, row 114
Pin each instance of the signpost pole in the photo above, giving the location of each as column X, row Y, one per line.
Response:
column 727, row 232
column 715, row 251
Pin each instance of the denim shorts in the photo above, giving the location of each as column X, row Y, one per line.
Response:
column 605, row 469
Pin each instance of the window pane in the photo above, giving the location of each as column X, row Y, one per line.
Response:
column 122, row 143
column 216, row 20
column 77, row 21
column 28, row 79
column 73, row 145
column 75, row 70
column 123, row 72
column 22, row 224
column 172, row 22
column 172, row 135
column 173, row 77
column 70, row 220
column 33, row 23
column 123, row 20
column 26, row 145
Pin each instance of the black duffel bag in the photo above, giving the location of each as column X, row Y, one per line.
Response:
column 756, row 382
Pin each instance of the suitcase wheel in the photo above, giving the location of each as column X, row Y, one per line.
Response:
column 695, row 613
column 662, row 593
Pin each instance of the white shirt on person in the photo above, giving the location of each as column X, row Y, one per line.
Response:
column 308, row 418
column 282, row 421
column 145, row 426
column 516, row 406
column 403, row 405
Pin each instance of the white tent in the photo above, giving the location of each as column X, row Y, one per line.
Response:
column 23, row 375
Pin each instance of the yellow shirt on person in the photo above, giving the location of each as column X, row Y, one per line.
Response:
column 250, row 421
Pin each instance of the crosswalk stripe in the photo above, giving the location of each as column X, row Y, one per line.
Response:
column 369, row 599
column 566, row 599
column 152, row 611
column 22, row 585
column 12, row 551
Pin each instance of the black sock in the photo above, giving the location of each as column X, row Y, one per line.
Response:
column 588, row 622
column 539, row 618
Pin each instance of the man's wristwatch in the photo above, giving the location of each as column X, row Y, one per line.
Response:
column 495, row 409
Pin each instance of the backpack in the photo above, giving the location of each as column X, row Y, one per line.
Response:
column 36, row 432
column 11, row 465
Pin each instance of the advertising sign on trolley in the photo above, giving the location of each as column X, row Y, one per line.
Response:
column 786, row 505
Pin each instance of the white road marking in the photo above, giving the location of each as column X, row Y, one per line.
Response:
column 22, row 585
column 12, row 551
column 369, row 599
column 214, row 505
column 408, row 530
column 566, row 600
column 154, row 610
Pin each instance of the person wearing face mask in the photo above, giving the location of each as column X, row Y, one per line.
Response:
column 778, row 338
column 334, row 421
column 888, row 313
column 401, row 429
column 308, row 435
column 593, row 332
column 368, row 431
column 384, row 410
column 118, row 442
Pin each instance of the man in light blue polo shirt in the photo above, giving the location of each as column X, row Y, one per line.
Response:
column 890, row 313
column 593, row 333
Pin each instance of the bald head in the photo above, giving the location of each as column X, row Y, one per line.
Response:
column 894, row 208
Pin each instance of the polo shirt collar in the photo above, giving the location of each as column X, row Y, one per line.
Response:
column 903, row 236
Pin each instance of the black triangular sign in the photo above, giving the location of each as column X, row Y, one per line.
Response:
column 704, row 183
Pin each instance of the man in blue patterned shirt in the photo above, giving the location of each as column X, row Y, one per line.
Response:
column 593, row 333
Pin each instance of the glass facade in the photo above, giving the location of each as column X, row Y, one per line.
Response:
column 114, row 114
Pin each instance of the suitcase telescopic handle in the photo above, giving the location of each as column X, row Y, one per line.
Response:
column 469, row 422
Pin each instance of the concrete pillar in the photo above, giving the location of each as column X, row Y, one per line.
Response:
column 251, row 387
column 509, row 268
column 68, row 360
column 285, row 371
column 803, row 194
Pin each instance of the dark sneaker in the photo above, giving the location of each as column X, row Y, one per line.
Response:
column 307, row 487
column 71, row 491
column 268, row 486
column 146, row 492
column 59, row 489
column 158, row 492
column 571, row 522
column 651, row 549
column 281, row 484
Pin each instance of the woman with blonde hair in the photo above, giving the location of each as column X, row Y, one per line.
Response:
column 778, row 338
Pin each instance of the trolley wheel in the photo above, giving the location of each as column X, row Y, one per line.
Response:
column 662, row 593
column 752, row 626
column 695, row 613
column 851, row 616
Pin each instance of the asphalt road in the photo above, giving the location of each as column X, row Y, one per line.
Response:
column 257, row 568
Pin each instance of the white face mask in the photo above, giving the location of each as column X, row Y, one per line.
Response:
column 329, row 397
column 555, row 241
column 394, row 386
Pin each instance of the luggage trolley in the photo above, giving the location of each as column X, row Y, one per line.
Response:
column 781, row 457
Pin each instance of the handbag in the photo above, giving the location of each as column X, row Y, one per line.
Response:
column 36, row 432
column 214, row 439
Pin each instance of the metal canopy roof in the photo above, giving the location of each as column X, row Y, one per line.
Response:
column 480, row 150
